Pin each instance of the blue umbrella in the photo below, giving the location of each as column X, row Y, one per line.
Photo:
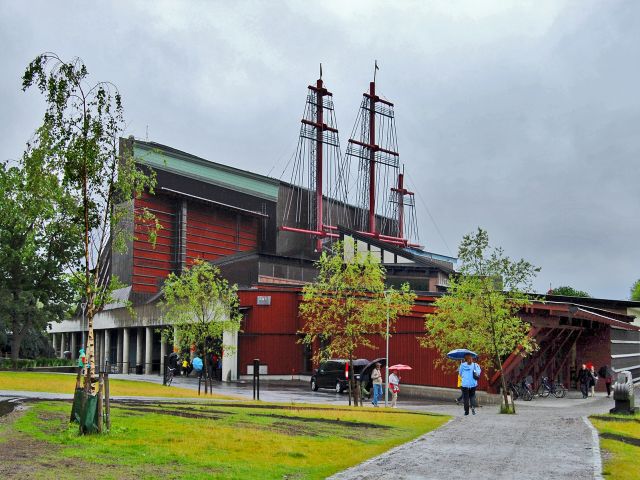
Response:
column 459, row 353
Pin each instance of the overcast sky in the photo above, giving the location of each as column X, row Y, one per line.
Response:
column 520, row 117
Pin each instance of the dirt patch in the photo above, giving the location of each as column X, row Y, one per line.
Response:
column 621, row 438
column 171, row 412
column 325, row 421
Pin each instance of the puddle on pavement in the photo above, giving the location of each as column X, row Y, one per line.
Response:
column 6, row 407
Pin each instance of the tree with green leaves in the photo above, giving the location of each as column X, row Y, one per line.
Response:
column 480, row 309
column 635, row 291
column 569, row 292
column 348, row 304
column 78, row 143
column 202, row 306
column 39, row 241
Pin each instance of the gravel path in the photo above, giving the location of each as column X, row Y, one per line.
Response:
column 540, row 442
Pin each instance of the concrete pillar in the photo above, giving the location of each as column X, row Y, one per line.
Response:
column 74, row 346
column 148, row 351
column 119, row 347
column 125, row 350
column 54, row 339
column 139, row 335
column 61, row 345
column 230, row 357
column 107, row 347
column 163, row 353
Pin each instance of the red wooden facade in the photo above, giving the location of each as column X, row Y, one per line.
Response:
column 152, row 264
column 211, row 233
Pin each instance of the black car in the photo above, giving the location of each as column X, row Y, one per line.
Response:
column 331, row 374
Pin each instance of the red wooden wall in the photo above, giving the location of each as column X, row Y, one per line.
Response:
column 211, row 233
column 150, row 264
column 269, row 332
column 214, row 233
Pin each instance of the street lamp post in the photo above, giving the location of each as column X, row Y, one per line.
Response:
column 386, row 383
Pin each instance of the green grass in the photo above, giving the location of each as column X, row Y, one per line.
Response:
column 620, row 441
column 65, row 383
column 225, row 440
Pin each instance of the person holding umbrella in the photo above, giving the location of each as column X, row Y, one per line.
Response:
column 394, row 381
column 469, row 372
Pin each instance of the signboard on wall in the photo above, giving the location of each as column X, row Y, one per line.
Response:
column 264, row 300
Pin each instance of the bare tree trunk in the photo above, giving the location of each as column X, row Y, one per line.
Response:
column 16, row 342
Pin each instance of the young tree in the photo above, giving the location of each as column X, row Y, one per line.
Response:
column 348, row 304
column 569, row 292
column 480, row 310
column 635, row 291
column 39, row 239
column 202, row 306
column 78, row 143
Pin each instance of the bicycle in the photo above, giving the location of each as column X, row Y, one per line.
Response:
column 546, row 388
column 170, row 375
column 520, row 391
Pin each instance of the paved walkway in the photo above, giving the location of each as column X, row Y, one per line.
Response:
column 547, row 439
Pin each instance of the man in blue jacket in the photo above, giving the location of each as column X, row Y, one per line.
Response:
column 469, row 372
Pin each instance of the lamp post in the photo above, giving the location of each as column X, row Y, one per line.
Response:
column 386, row 382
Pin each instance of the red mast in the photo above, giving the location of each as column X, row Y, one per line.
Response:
column 309, row 171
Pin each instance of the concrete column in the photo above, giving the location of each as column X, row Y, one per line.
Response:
column 61, row 345
column 139, row 334
column 119, row 347
column 230, row 357
column 54, row 344
column 148, row 351
column 74, row 346
column 107, row 347
column 163, row 353
column 125, row 350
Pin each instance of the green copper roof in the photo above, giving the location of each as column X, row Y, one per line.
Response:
column 168, row 159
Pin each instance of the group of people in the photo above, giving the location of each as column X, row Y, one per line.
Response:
column 184, row 365
column 588, row 379
column 394, row 385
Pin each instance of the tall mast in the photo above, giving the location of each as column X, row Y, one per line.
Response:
column 317, row 195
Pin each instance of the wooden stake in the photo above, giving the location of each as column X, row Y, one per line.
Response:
column 107, row 401
column 100, row 385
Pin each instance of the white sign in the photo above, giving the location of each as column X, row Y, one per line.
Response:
column 264, row 300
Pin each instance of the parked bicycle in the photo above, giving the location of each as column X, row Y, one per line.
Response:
column 548, row 387
column 521, row 390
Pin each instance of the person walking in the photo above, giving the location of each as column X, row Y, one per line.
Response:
column 394, row 387
column 606, row 373
column 592, row 381
column 584, row 375
column 376, row 379
column 469, row 372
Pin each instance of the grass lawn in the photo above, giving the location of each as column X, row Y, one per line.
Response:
column 620, row 442
column 240, row 440
column 65, row 383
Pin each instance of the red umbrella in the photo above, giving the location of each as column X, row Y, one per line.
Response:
column 400, row 366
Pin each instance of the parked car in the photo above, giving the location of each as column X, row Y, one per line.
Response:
column 331, row 374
